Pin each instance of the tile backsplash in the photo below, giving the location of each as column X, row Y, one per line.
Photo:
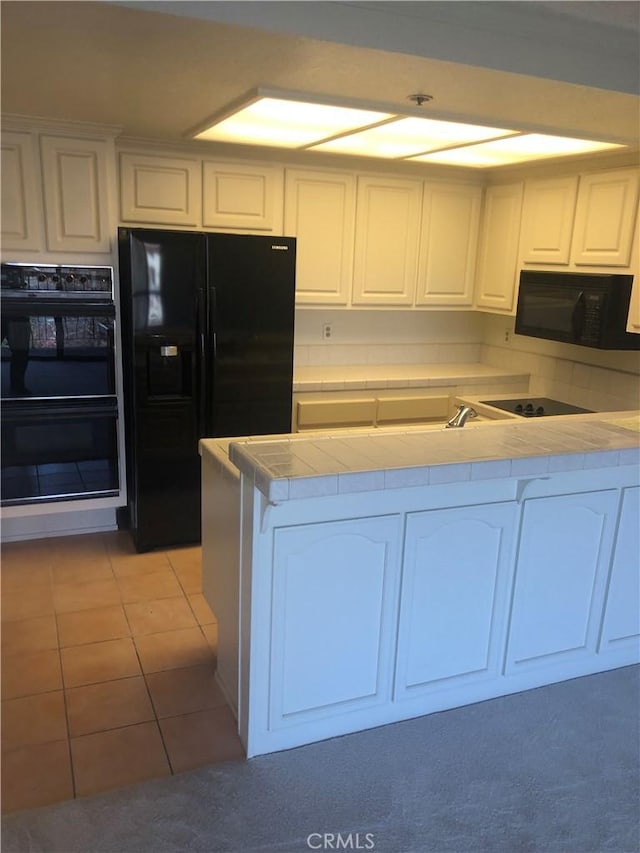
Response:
column 387, row 337
column 593, row 379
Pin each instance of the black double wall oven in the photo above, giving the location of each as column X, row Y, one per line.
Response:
column 59, row 405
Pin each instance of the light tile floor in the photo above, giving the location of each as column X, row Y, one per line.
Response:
column 108, row 661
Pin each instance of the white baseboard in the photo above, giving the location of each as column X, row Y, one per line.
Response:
column 58, row 524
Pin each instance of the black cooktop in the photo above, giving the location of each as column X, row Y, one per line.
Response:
column 536, row 407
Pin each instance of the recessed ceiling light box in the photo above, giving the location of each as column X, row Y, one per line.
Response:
column 297, row 121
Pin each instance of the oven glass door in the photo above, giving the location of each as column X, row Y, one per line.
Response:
column 61, row 451
column 56, row 349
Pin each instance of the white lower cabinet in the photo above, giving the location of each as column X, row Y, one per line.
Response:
column 621, row 624
column 334, row 606
column 455, row 585
column 561, row 573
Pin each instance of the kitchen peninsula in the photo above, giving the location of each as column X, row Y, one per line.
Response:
column 364, row 577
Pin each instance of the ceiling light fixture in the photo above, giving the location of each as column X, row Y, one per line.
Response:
column 305, row 122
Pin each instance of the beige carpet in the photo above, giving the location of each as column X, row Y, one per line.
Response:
column 552, row 769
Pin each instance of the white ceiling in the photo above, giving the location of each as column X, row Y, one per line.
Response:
column 157, row 74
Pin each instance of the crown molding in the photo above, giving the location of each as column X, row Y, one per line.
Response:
column 42, row 124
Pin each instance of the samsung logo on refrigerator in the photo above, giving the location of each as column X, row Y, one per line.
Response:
column 281, row 248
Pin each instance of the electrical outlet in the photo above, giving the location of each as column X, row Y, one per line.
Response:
column 326, row 331
column 507, row 336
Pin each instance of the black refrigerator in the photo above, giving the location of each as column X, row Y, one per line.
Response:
column 207, row 327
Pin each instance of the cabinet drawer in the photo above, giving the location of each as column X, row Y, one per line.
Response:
column 313, row 414
column 407, row 409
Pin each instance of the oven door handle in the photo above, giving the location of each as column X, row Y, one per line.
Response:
column 56, row 308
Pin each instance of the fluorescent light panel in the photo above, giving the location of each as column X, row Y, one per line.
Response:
column 517, row 149
column 287, row 123
column 409, row 136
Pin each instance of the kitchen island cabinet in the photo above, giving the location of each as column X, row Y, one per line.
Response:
column 360, row 580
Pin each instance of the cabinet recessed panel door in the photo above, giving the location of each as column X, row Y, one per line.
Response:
column 547, row 220
column 621, row 626
column 319, row 209
column 561, row 570
column 333, row 613
column 455, row 584
column 21, row 201
column 498, row 256
column 386, row 244
column 605, row 218
column 162, row 190
column 242, row 197
column 449, row 238
column 76, row 194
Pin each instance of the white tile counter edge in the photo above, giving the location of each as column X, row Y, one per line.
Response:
column 398, row 376
column 334, row 462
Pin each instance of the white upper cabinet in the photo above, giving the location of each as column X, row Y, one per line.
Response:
column 21, row 197
column 242, row 197
column 160, row 190
column 319, row 210
column 605, row 218
column 547, row 220
column 76, row 194
column 498, row 255
column 386, row 242
column 449, row 239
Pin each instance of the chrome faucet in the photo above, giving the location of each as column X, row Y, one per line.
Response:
column 461, row 416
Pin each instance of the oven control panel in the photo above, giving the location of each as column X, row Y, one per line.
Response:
column 17, row 279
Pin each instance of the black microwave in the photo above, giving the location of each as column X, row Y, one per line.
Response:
column 588, row 309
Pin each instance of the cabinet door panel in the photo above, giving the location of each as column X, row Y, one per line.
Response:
column 454, row 591
column 157, row 189
column 605, row 218
column 621, row 624
column 497, row 267
column 21, row 201
column 333, row 617
column 560, row 575
column 449, row 238
column 547, row 221
column 386, row 244
column 320, row 211
column 75, row 194
column 238, row 196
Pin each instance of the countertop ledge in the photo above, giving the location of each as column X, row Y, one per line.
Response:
column 301, row 466
column 383, row 376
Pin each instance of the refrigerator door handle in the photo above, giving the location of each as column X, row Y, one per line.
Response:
column 201, row 370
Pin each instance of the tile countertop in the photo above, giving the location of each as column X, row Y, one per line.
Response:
column 352, row 377
column 347, row 461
